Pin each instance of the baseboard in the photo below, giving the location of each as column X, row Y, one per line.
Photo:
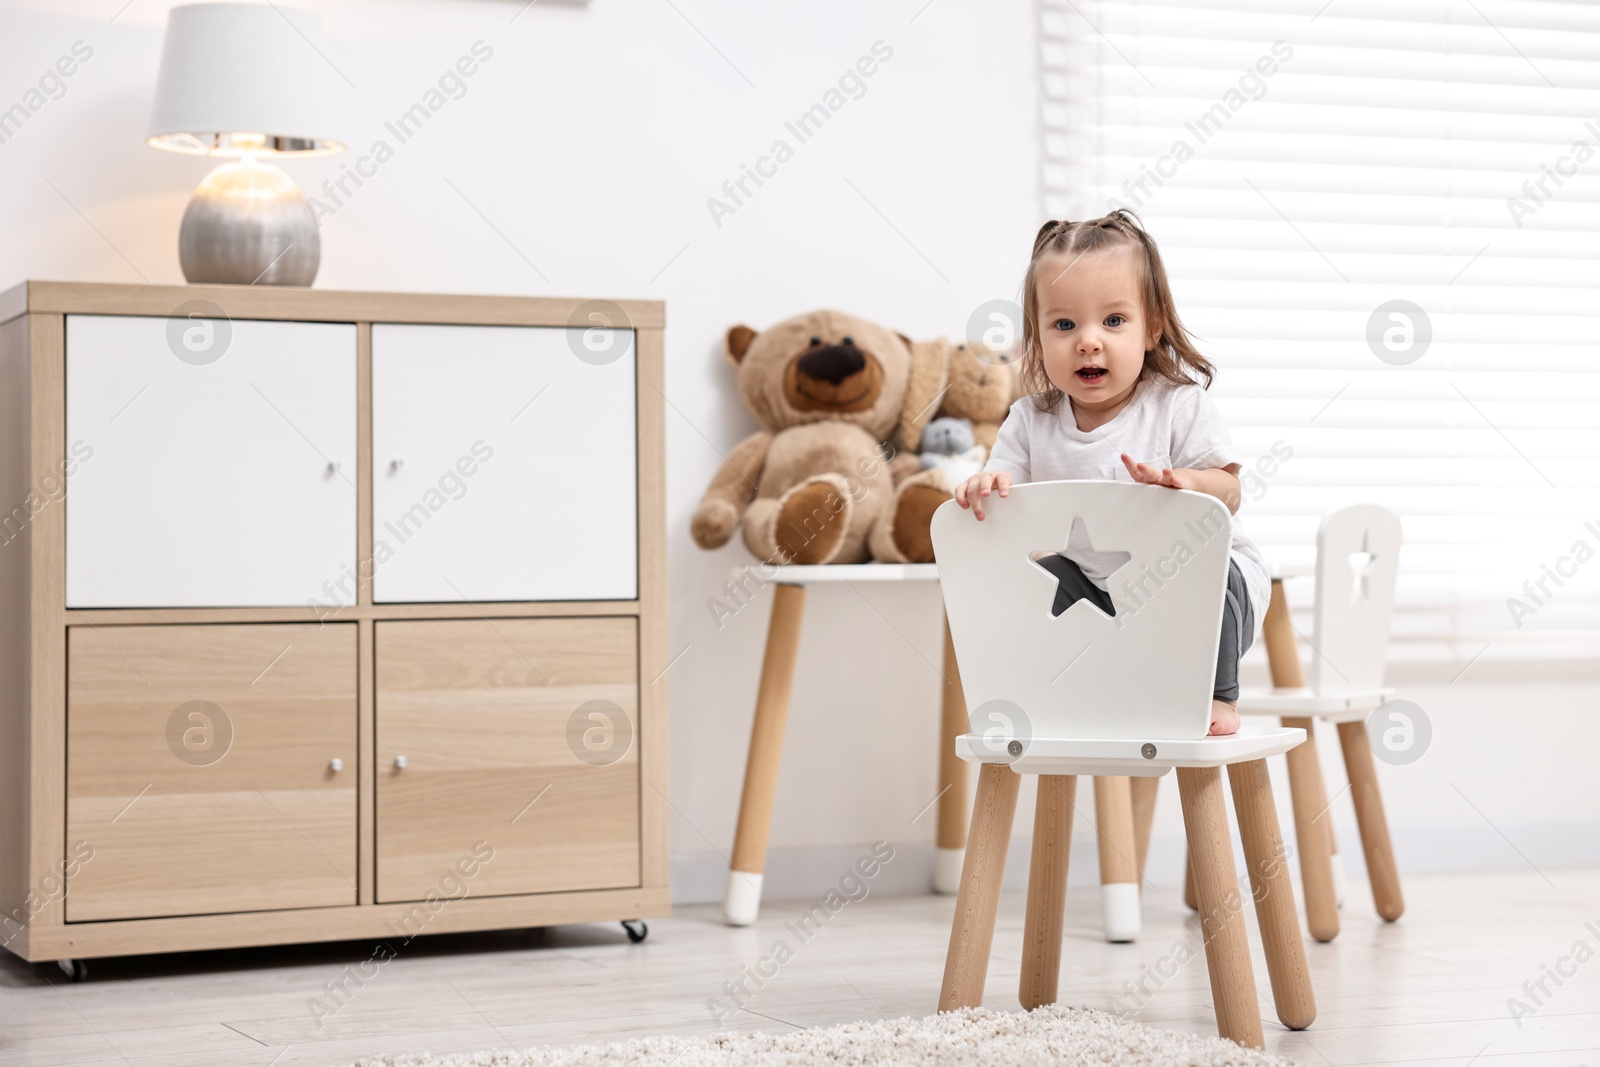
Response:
column 806, row 873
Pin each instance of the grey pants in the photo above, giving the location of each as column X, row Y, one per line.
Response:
column 1238, row 620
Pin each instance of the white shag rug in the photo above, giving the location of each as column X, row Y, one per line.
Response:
column 1051, row 1036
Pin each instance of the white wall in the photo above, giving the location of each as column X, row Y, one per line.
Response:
column 582, row 155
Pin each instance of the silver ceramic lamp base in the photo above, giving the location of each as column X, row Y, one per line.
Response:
column 249, row 224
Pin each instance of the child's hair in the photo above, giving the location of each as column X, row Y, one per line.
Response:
column 1174, row 356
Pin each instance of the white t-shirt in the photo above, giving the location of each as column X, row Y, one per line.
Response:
column 1164, row 424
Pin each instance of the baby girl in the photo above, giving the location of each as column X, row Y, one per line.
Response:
column 1115, row 394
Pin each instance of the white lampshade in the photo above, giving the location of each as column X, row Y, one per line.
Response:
column 243, row 79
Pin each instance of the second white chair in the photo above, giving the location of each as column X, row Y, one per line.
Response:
column 1358, row 552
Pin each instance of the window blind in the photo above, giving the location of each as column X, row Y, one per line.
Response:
column 1382, row 222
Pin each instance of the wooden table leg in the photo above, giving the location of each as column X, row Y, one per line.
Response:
column 743, row 900
column 1277, row 633
column 1265, row 858
column 1191, row 899
column 951, row 838
column 1233, row 983
column 1047, row 891
column 1374, row 827
column 1119, row 872
column 1312, row 825
column 1144, row 792
column 966, row 963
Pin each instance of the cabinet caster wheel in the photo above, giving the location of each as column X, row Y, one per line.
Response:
column 637, row 929
column 75, row 970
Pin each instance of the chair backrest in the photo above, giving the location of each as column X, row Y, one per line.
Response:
column 1146, row 673
column 1355, row 598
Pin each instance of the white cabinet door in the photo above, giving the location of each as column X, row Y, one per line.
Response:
column 503, row 464
column 215, row 462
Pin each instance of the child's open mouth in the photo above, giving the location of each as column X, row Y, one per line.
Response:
column 1091, row 374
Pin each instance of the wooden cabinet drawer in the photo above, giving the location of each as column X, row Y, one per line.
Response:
column 504, row 466
column 199, row 768
column 518, row 733
column 215, row 461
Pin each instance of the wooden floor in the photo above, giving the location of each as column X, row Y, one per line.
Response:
column 1432, row 989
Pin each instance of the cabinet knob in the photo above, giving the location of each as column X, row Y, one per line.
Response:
column 396, row 464
column 400, row 763
column 334, row 466
column 336, row 765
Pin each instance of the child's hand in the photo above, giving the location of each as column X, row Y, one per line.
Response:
column 1220, row 482
column 1149, row 475
column 970, row 493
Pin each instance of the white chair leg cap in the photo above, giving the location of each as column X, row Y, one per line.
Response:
column 742, row 903
column 1120, row 901
column 1338, row 881
column 947, row 869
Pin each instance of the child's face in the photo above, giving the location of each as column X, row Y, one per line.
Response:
column 1092, row 328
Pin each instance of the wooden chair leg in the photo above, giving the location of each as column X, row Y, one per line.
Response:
column 1047, row 890
column 1333, row 859
column 1190, row 899
column 950, row 840
column 1119, row 872
column 1374, row 827
column 1305, row 777
column 1326, row 823
column 1265, row 858
column 1233, row 984
column 1316, row 862
column 743, row 900
column 966, row 963
column 1144, row 792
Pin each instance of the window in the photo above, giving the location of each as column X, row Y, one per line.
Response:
column 1382, row 221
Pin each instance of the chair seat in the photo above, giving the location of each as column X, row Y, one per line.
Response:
column 1115, row 756
column 1348, row 706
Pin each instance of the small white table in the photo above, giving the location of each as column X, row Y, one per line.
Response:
column 743, row 900
column 1123, row 839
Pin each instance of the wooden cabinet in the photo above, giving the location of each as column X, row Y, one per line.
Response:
column 503, row 464
column 239, row 443
column 211, row 768
column 482, row 736
column 301, row 629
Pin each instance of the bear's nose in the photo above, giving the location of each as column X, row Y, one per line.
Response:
column 832, row 363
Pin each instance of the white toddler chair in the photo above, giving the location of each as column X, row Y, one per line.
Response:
column 1088, row 694
column 1358, row 551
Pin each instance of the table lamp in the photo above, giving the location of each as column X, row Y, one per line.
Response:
column 244, row 82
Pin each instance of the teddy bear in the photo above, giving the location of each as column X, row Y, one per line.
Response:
column 948, row 445
column 815, row 484
column 966, row 381
column 982, row 384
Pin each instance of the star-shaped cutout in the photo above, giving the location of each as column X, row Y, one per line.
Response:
column 1071, row 583
column 1361, row 564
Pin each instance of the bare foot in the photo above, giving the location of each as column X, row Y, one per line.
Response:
column 1224, row 718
